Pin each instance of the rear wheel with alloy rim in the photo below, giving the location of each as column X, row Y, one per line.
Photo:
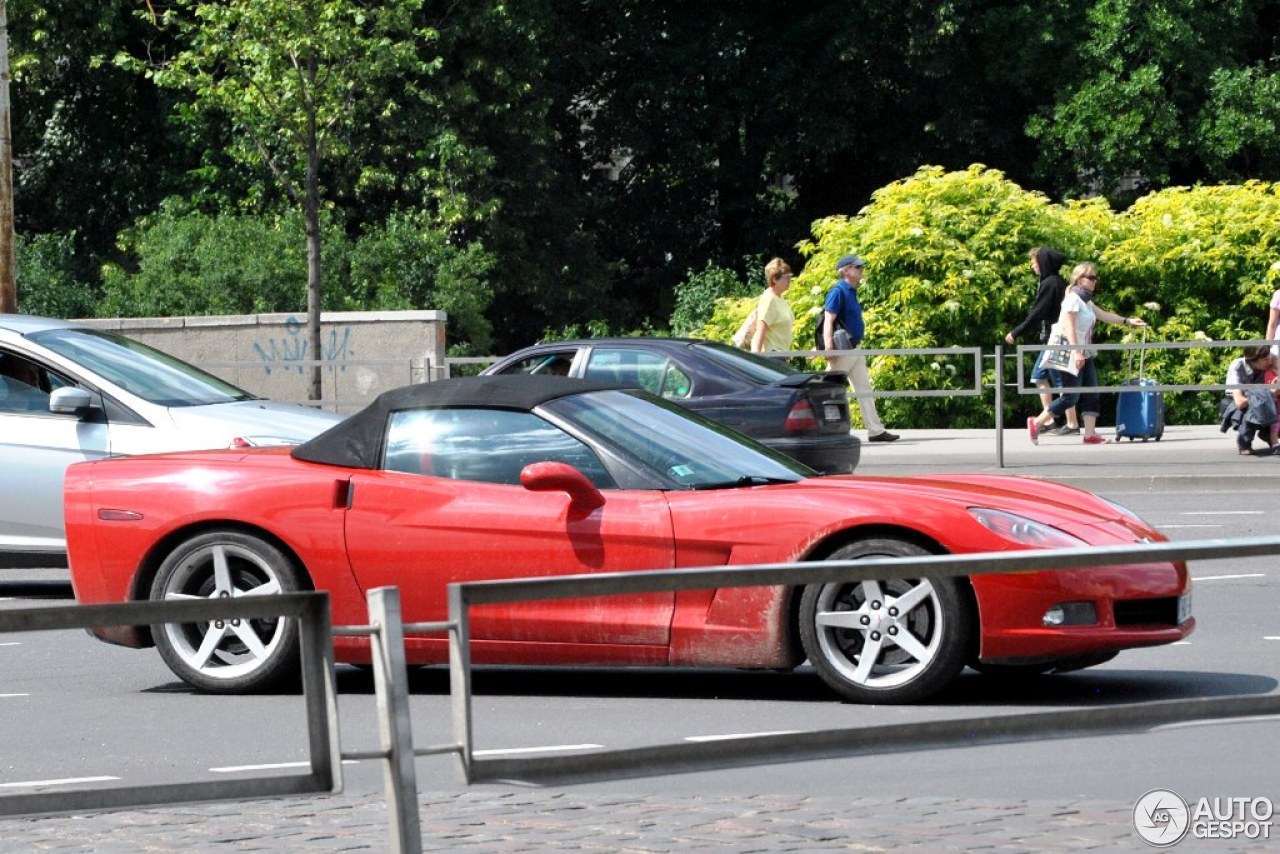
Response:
column 885, row 641
column 228, row 656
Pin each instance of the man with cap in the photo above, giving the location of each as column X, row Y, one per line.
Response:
column 843, row 311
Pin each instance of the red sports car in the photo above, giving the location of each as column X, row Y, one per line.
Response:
column 507, row 477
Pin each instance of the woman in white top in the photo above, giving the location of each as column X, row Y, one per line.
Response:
column 774, row 318
column 1076, row 322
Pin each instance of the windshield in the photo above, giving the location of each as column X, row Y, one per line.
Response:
column 144, row 371
column 687, row 449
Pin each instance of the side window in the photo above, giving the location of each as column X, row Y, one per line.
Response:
column 637, row 369
column 25, row 385
column 487, row 445
column 546, row 364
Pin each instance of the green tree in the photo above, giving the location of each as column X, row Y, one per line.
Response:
column 1165, row 93
column 286, row 73
column 92, row 146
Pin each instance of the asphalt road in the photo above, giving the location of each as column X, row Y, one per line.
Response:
column 75, row 709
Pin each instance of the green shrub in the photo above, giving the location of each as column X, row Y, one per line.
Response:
column 408, row 264
column 46, row 280
column 697, row 296
column 192, row 263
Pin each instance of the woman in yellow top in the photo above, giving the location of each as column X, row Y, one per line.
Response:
column 774, row 318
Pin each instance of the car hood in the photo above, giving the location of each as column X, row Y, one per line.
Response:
column 261, row 421
column 1055, row 504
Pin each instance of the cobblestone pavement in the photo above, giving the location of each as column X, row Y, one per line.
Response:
column 543, row 820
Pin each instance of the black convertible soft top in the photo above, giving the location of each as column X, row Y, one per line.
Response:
column 357, row 441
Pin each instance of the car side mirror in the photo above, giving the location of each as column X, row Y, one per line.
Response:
column 562, row 477
column 70, row 400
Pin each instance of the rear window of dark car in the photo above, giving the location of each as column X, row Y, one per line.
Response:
column 762, row 369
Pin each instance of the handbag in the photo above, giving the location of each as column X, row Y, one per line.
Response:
column 1056, row 358
column 742, row 338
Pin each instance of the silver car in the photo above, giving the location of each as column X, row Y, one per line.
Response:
column 71, row 393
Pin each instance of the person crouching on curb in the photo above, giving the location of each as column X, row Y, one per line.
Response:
column 843, row 311
column 1076, row 322
column 1251, row 411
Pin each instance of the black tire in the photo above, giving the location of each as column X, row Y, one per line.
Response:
column 916, row 653
column 239, row 656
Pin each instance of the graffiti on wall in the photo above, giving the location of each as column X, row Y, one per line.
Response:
column 292, row 350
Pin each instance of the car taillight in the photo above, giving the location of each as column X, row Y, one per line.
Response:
column 800, row 418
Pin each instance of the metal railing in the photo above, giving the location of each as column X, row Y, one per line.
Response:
column 319, row 692
column 772, row 748
column 397, row 750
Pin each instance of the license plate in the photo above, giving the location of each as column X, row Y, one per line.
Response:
column 1184, row 608
column 831, row 412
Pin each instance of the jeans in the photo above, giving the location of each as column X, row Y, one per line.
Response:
column 1088, row 401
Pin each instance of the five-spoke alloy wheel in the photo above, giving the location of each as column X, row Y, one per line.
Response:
column 228, row 656
column 891, row 641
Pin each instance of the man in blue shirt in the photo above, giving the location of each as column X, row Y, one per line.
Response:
column 843, row 312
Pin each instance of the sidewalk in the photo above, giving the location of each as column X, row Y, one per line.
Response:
column 510, row 819
column 1196, row 453
column 538, row 821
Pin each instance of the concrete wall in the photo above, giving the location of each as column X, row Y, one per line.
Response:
column 363, row 353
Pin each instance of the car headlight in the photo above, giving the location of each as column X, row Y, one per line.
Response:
column 1024, row 531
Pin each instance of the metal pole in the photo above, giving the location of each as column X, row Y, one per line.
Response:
column 8, row 283
column 460, row 678
column 999, row 406
column 390, row 681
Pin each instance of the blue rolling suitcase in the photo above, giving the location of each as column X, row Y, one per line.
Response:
column 1139, row 413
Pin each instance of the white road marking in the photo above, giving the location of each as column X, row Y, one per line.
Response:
column 11, row 643
column 269, row 766
column 1180, row 643
column 64, row 782
column 549, row 748
column 1271, row 637
column 732, row 735
column 1227, row 577
column 2, row 696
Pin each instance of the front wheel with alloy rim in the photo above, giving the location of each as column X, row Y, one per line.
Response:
column 228, row 656
column 885, row 641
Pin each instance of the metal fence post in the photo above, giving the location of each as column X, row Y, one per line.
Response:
column 999, row 406
column 395, row 731
column 460, row 677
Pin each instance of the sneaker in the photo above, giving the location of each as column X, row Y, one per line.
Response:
column 1095, row 439
column 1064, row 430
column 1033, row 430
column 884, row 436
column 1245, row 452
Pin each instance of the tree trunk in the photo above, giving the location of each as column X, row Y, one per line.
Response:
column 312, row 206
